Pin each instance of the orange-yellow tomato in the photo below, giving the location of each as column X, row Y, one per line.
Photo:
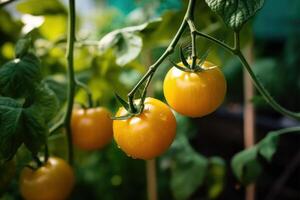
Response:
column 147, row 135
column 52, row 181
column 91, row 128
column 195, row 94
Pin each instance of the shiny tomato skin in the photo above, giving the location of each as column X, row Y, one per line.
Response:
column 53, row 180
column 147, row 135
column 91, row 128
column 195, row 94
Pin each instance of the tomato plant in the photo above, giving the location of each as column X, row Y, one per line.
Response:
column 195, row 94
column 91, row 128
column 39, row 87
column 53, row 180
column 148, row 134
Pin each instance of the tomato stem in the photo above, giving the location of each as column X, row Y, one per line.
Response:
column 37, row 160
column 71, row 77
column 46, row 152
column 88, row 92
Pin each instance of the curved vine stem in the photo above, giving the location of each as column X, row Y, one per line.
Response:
column 264, row 92
column 236, row 50
column 71, row 77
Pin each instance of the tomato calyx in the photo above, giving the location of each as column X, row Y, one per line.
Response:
column 196, row 64
column 135, row 111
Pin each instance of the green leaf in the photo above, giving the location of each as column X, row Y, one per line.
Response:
column 267, row 147
column 187, row 167
column 10, row 127
column 127, row 45
column 46, row 102
column 35, row 129
column 19, row 77
column 37, row 7
column 22, row 46
column 245, row 165
column 235, row 12
column 191, row 170
column 58, row 85
column 126, row 42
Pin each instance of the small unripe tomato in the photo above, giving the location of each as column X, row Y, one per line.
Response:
column 195, row 94
column 91, row 128
column 148, row 134
column 54, row 180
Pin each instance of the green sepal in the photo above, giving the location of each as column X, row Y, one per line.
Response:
column 182, row 58
column 122, row 101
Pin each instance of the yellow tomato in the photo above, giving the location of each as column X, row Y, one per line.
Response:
column 147, row 135
column 52, row 181
column 91, row 128
column 195, row 94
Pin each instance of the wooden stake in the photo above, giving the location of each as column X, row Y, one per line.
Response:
column 151, row 180
column 249, row 115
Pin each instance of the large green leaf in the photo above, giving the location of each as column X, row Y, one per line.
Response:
column 235, row 12
column 247, row 166
column 35, row 129
column 38, row 7
column 10, row 127
column 19, row 76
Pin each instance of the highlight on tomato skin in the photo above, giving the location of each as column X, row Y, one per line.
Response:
column 54, row 180
column 195, row 94
column 147, row 135
column 91, row 128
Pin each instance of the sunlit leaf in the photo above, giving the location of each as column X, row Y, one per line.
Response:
column 57, row 21
column 126, row 42
column 37, row 7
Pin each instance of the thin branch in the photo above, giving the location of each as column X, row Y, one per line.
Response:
column 216, row 41
column 71, row 77
column 87, row 90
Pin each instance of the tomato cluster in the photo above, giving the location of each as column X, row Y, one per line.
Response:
column 190, row 93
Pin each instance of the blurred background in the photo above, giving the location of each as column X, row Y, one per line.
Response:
column 197, row 166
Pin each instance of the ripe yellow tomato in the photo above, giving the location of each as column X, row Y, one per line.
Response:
column 52, row 181
column 147, row 135
column 195, row 94
column 91, row 128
